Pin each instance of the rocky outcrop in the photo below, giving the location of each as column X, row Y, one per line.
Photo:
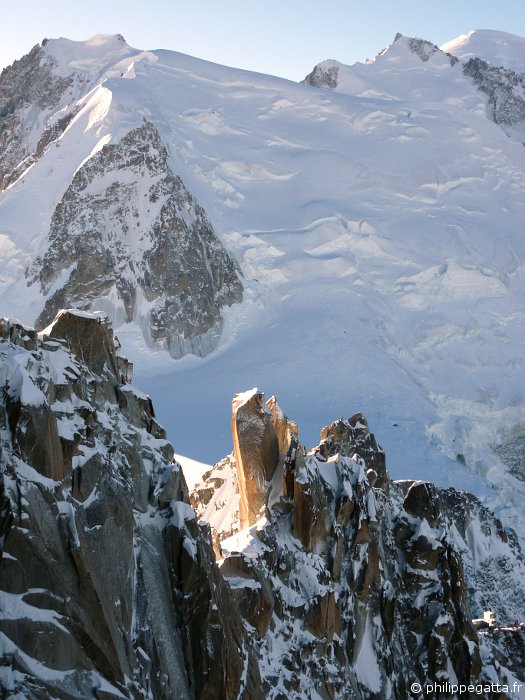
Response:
column 140, row 248
column 108, row 584
column 425, row 49
column 29, row 85
column 505, row 91
column 256, row 450
column 217, row 498
column 352, row 438
column 324, row 75
column 262, row 441
column 89, row 338
column 285, row 430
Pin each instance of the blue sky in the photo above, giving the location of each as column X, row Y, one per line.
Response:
column 285, row 38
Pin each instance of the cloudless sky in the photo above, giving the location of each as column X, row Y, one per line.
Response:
column 285, row 38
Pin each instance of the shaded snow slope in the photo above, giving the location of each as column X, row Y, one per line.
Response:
column 379, row 232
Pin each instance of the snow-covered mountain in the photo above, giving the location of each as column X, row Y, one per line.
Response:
column 352, row 248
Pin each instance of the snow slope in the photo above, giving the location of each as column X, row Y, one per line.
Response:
column 498, row 48
column 379, row 231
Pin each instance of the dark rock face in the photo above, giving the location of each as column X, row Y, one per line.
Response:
column 353, row 437
column 323, row 77
column 504, row 89
column 491, row 556
column 504, row 647
column 90, row 339
column 425, row 49
column 252, row 591
column 511, row 451
column 108, row 584
column 285, row 430
column 29, row 83
column 141, row 244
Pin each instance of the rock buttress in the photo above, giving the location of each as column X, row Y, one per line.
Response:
column 108, row 584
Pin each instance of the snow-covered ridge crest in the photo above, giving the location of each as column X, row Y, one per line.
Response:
column 41, row 93
column 90, row 58
column 331, row 74
column 490, row 59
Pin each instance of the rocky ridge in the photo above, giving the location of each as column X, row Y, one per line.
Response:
column 346, row 585
column 323, row 77
column 356, row 586
column 30, row 92
column 128, row 238
column 108, row 584
column 505, row 90
column 425, row 49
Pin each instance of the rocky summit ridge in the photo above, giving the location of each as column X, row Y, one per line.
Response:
column 336, row 582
